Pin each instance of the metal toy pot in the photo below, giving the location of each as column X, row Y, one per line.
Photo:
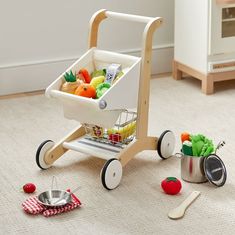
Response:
column 192, row 169
column 201, row 169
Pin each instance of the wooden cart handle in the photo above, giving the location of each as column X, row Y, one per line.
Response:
column 103, row 14
column 128, row 17
column 146, row 54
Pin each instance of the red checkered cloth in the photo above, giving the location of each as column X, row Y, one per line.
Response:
column 33, row 206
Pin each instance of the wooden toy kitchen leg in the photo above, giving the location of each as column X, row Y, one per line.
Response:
column 207, row 80
column 58, row 150
column 176, row 72
column 207, row 84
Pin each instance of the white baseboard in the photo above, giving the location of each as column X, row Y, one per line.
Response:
column 38, row 75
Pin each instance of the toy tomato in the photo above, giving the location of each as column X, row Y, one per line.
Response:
column 84, row 75
column 86, row 90
column 185, row 136
column 171, row 185
column 29, row 188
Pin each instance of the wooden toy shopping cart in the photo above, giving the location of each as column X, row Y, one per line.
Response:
column 109, row 128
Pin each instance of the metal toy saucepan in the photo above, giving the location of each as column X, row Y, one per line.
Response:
column 55, row 197
column 201, row 169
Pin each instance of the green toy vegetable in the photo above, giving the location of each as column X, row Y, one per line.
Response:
column 70, row 77
column 101, row 89
column 98, row 73
column 187, row 148
column 201, row 146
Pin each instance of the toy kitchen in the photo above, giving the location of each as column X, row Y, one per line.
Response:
column 205, row 41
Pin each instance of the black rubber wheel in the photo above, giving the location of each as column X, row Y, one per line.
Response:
column 166, row 144
column 40, row 154
column 111, row 174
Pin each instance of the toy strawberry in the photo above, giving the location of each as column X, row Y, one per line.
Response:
column 29, row 188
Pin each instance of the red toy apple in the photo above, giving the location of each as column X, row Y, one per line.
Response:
column 29, row 188
column 171, row 185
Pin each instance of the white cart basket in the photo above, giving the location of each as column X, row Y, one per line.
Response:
column 105, row 110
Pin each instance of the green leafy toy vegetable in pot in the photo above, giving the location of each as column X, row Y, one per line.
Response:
column 201, row 146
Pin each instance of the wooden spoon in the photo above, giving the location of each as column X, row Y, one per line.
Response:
column 179, row 211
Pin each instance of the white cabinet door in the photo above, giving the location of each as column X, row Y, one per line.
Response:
column 222, row 28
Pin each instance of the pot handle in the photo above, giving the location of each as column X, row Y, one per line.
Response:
column 219, row 145
column 178, row 155
column 54, row 183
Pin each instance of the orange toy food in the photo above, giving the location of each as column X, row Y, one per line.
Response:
column 84, row 75
column 86, row 90
column 185, row 136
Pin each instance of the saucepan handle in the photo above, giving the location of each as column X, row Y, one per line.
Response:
column 54, row 183
column 178, row 155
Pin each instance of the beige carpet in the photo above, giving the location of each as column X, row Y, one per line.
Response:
column 138, row 205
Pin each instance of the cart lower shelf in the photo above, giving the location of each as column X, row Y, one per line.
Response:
column 94, row 147
column 116, row 155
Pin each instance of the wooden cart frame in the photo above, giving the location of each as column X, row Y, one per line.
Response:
column 142, row 140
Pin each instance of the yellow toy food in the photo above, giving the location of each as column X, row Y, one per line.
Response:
column 97, row 81
column 124, row 132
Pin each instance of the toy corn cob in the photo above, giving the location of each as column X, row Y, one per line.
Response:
column 124, row 132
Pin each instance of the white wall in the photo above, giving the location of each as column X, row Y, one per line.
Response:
column 39, row 39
